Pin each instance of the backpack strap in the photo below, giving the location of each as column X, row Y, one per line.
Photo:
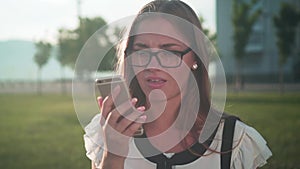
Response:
column 227, row 140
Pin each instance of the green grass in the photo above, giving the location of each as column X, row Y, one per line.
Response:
column 43, row 131
column 40, row 132
column 277, row 118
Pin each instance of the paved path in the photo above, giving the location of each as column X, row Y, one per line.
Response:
column 56, row 87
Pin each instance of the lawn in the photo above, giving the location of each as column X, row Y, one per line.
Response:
column 43, row 131
column 277, row 118
column 40, row 132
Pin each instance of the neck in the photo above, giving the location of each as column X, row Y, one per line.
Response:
column 161, row 120
column 154, row 129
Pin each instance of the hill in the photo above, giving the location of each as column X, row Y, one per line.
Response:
column 16, row 63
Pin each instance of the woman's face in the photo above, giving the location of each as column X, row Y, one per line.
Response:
column 171, row 81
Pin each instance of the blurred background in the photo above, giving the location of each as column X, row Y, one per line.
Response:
column 258, row 42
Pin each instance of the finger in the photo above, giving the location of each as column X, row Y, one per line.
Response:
column 120, row 111
column 134, row 127
column 130, row 118
column 100, row 101
column 108, row 103
column 134, row 101
column 126, row 106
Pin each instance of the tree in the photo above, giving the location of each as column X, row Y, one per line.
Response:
column 72, row 41
column 211, row 36
column 285, row 24
column 41, row 57
column 66, row 53
column 67, row 48
column 244, row 15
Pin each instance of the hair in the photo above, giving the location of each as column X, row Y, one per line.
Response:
column 182, row 10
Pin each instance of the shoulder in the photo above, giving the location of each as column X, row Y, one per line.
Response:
column 250, row 149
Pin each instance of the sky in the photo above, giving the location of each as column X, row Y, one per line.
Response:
column 35, row 20
column 40, row 19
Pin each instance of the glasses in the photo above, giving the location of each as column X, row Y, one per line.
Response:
column 166, row 58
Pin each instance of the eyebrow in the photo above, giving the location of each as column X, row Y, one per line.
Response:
column 141, row 45
column 163, row 46
column 170, row 45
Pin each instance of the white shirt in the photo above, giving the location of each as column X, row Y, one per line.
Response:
column 250, row 150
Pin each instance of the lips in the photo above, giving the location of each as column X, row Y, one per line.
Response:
column 155, row 82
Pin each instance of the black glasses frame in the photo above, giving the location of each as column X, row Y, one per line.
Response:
column 154, row 54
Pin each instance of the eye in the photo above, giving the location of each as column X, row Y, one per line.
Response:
column 166, row 53
column 142, row 53
column 172, row 53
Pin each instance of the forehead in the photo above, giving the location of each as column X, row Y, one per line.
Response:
column 157, row 41
column 159, row 29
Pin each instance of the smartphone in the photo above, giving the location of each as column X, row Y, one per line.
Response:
column 105, row 86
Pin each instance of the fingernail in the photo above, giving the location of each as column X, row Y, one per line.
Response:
column 142, row 108
column 143, row 117
column 134, row 100
column 100, row 101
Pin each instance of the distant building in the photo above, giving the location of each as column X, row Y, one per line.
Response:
column 261, row 61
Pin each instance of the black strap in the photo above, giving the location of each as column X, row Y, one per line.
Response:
column 186, row 157
column 227, row 140
column 181, row 158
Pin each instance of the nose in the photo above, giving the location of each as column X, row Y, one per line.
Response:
column 154, row 63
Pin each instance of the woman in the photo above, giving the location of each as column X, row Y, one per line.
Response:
column 165, row 65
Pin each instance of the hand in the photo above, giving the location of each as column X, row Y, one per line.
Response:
column 120, row 123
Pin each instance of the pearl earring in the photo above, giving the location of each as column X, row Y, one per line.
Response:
column 195, row 66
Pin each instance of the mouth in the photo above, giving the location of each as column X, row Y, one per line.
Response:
column 155, row 82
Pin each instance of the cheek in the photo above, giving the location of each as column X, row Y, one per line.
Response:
column 139, row 78
column 181, row 74
column 137, row 70
column 189, row 60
